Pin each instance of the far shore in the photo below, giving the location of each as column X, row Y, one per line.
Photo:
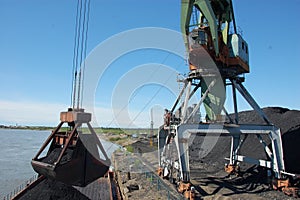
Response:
column 40, row 128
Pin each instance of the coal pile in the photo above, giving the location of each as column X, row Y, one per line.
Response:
column 51, row 190
column 287, row 120
column 290, row 142
column 143, row 146
column 54, row 154
column 289, row 123
column 283, row 118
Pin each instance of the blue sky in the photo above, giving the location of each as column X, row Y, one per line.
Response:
column 36, row 50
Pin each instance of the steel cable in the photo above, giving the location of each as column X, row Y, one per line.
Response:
column 74, row 71
column 80, row 46
column 85, row 47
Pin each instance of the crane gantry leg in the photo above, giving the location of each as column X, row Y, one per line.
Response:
column 182, row 131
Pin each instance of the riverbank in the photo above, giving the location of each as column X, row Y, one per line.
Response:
column 37, row 128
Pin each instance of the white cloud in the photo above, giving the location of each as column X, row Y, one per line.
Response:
column 30, row 113
column 47, row 114
column 108, row 117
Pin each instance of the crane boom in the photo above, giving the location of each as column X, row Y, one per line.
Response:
column 205, row 26
column 217, row 13
column 211, row 32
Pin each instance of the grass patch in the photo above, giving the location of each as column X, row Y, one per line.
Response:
column 114, row 131
column 130, row 148
column 114, row 139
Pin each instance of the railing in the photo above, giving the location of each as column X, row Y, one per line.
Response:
column 161, row 186
column 20, row 188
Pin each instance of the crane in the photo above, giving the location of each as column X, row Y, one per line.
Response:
column 218, row 58
column 151, row 128
column 210, row 32
column 72, row 155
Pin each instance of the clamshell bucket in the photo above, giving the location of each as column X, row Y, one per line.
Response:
column 74, row 158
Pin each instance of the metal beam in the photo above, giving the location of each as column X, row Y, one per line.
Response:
column 182, row 144
column 201, row 100
column 206, row 9
column 179, row 96
column 162, row 135
column 236, row 115
column 186, row 100
column 227, row 115
column 250, row 100
column 99, row 144
column 229, row 129
column 49, row 139
column 254, row 161
column 181, row 93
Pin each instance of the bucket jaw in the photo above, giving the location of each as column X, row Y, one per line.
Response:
column 74, row 157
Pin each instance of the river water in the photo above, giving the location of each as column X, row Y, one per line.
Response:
column 17, row 148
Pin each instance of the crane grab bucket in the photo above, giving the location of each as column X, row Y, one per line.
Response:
column 68, row 160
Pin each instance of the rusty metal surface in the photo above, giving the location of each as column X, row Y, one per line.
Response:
column 72, row 116
column 76, row 167
column 68, row 160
